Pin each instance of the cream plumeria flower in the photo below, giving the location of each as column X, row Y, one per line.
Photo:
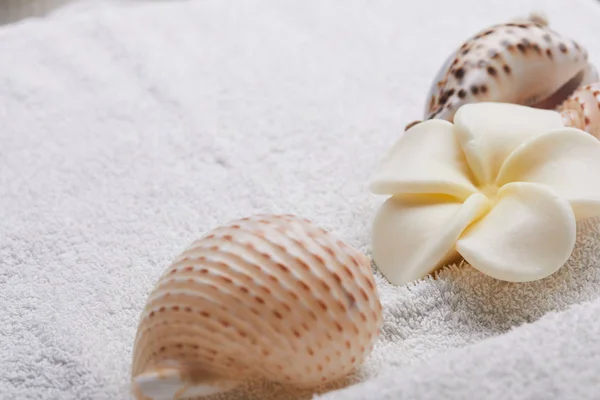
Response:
column 502, row 186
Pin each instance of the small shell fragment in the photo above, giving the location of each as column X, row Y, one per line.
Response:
column 266, row 297
column 582, row 109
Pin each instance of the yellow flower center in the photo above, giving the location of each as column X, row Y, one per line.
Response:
column 490, row 191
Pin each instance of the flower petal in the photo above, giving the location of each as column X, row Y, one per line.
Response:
column 566, row 159
column 413, row 236
column 426, row 159
column 528, row 235
column 489, row 132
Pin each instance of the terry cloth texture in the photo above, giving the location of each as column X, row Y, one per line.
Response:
column 126, row 133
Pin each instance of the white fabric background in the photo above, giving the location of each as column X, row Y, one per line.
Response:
column 127, row 133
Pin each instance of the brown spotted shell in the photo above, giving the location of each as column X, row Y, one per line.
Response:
column 521, row 62
column 582, row 109
column 271, row 297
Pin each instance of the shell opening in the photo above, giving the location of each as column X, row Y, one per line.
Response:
column 559, row 96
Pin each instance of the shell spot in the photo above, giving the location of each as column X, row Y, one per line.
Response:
column 521, row 47
column 310, row 351
column 244, row 289
column 348, row 344
column 296, row 333
column 371, row 284
column 506, row 69
column 348, row 272
column 304, row 286
column 337, row 278
column 491, row 70
column 319, row 367
column 227, row 279
column 339, row 327
column 483, row 89
column 474, row 90
column 322, row 304
column 353, row 360
column 351, row 299
column 259, row 300
column 319, row 259
column 547, row 37
column 587, row 120
column 187, row 309
column 205, row 314
column 303, row 264
column 459, row 73
column 266, row 290
column 277, row 314
column 549, row 53
column 563, row 48
column 492, row 53
column 282, row 267
column 326, row 286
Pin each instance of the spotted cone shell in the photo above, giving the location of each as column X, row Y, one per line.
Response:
column 271, row 297
column 521, row 62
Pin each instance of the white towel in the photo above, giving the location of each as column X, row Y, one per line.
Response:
column 127, row 133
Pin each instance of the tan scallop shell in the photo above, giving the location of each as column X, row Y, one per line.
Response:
column 271, row 297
